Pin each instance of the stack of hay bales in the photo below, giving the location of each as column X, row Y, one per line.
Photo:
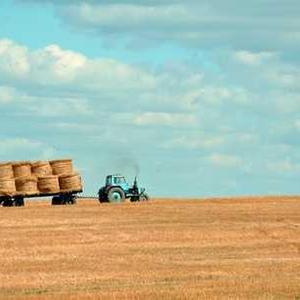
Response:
column 39, row 177
column 7, row 181
column 68, row 179
column 26, row 183
column 47, row 182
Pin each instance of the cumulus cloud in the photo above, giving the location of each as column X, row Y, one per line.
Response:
column 242, row 25
column 53, row 66
column 234, row 119
column 253, row 59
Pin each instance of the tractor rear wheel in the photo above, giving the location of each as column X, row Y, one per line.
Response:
column 116, row 195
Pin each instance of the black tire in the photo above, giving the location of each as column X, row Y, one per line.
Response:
column 19, row 201
column 56, row 200
column 102, row 197
column 8, row 202
column 70, row 199
column 102, row 200
column 116, row 195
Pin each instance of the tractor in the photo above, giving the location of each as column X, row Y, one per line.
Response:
column 117, row 190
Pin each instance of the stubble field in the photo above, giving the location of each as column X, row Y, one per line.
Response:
column 163, row 249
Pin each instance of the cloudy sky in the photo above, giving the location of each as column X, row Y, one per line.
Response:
column 201, row 98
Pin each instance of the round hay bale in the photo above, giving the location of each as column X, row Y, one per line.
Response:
column 48, row 184
column 7, row 187
column 6, row 171
column 22, row 169
column 70, row 182
column 62, row 166
column 41, row 168
column 27, row 185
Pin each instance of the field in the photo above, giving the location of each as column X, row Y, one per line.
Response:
column 247, row 248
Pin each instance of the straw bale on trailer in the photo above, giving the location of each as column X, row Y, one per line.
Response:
column 48, row 184
column 7, row 187
column 6, row 171
column 27, row 185
column 62, row 166
column 70, row 182
column 22, row 169
column 41, row 168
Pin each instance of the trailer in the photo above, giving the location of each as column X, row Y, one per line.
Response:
column 37, row 179
column 60, row 198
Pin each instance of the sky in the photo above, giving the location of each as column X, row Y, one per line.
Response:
column 197, row 98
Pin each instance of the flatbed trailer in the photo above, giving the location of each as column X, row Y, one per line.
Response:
column 60, row 198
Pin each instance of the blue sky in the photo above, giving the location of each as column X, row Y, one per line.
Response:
column 200, row 98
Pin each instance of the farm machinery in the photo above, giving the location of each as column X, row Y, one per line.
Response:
column 117, row 189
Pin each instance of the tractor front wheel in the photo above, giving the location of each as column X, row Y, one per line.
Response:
column 116, row 195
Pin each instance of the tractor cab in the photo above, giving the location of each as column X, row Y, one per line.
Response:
column 117, row 180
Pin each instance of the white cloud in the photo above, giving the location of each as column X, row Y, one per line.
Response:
column 53, row 66
column 225, row 160
column 14, row 59
column 7, row 94
column 253, row 59
column 20, row 148
column 164, row 119
column 196, row 141
column 13, row 143
column 224, row 95
column 255, row 25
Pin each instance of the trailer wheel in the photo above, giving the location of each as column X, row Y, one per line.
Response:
column 19, row 201
column 8, row 202
column 70, row 200
column 56, row 200
column 116, row 195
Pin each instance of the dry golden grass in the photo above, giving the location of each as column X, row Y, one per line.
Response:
column 164, row 249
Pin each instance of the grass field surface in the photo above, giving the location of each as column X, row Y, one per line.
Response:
column 247, row 248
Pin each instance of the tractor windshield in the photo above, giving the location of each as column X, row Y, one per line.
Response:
column 119, row 180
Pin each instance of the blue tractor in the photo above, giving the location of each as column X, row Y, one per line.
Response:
column 117, row 189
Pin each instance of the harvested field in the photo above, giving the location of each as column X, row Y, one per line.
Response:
column 164, row 249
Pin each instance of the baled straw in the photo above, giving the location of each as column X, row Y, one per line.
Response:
column 7, row 187
column 62, row 166
column 70, row 182
column 27, row 185
column 22, row 169
column 48, row 184
column 6, row 171
column 41, row 168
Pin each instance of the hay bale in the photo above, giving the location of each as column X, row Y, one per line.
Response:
column 62, row 166
column 70, row 182
column 27, row 185
column 22, row 169
column 7, row 187
column 41, row 168
column 48, row 184
column 6, row 171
